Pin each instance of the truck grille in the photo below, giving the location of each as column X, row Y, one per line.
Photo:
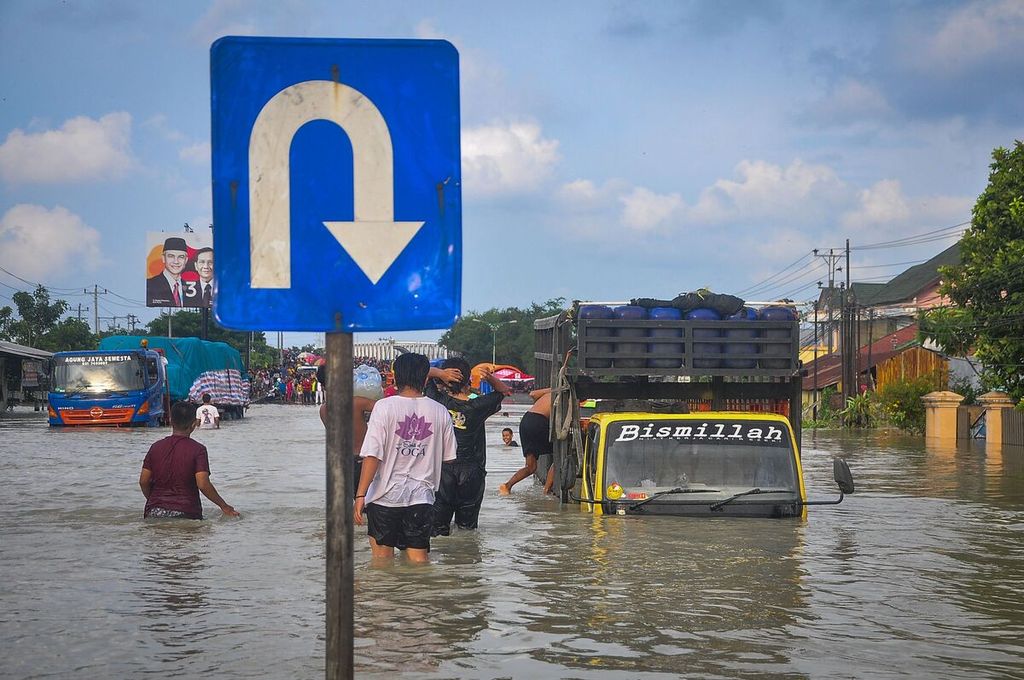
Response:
column 97, row 416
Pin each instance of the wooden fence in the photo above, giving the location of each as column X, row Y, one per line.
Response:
column 1013, row 427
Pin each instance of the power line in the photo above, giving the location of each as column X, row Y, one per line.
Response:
column 784, row 269
column 916, row 239
column 891, row 264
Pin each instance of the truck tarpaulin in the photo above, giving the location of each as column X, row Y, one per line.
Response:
column 195, row 367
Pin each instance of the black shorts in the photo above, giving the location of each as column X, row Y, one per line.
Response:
column 405, row 527
column 534, row 433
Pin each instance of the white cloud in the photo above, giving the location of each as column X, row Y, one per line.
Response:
column 196, row 153
column 850, row 101
column 579, row 193
column 881, row 203
column 39, row 243
column 426, row 30
column 506, row 158
column 644, row 210
column 763, row 190
column 975, row 33
column 82, row 149
column 883, row 207
column 225, row 17
column 161, row 126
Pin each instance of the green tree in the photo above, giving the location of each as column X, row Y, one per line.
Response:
column 38, row 315
column 69, row 334
column 6, row 323
column 987, row 287
column 512, row 338
column 185, row 324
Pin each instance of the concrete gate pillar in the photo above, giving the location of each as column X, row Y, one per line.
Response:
column 994, row 403
column 940, row 415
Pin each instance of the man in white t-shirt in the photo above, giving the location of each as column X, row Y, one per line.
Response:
column 207, row 415
column 407, row 438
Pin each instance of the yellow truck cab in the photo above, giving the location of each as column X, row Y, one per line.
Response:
column 691, row 464
column 702, row 418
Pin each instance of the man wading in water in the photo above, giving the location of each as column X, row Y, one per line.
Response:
column 534, row 434
column 407, row 438
column 462, row 481
column 176, row 469
column 362, row 407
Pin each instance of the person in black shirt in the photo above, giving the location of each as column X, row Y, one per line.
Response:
column 462, row 480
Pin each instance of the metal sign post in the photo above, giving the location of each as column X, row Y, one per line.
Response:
column 337, row 195
column 340, row 489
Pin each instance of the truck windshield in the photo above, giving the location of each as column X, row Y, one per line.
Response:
column 687, row 453
column 97, row 374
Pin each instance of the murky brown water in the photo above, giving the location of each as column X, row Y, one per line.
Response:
column 920, row 574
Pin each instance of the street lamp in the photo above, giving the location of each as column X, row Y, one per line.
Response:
column 494, row 332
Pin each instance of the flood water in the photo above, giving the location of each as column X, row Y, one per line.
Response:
column 920, row 574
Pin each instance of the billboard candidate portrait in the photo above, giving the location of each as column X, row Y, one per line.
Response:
column 200, row 293
column 166, row 289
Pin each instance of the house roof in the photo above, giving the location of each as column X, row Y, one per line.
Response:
column 14, row 349
column 910, row 283
column 829, row 368
column 902, row 288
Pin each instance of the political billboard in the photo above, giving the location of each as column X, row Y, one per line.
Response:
column 179, row 269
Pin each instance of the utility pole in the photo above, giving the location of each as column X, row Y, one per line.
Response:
column 96, row 306
column 852, row 350
column 81, row 309
column 814, row 400
column 843, row 363
column 131, row 321
column 830, row 260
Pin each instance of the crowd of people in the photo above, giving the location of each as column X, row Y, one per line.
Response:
column 419, row 453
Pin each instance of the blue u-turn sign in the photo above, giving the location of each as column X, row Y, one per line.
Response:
column 336, row 184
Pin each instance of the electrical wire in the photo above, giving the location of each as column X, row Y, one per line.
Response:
column 757, row 285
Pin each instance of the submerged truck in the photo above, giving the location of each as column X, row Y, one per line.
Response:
column 132, row 380
column 685, row 412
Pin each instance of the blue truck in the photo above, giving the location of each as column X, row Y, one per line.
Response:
column 121, row 387
column 132, row 380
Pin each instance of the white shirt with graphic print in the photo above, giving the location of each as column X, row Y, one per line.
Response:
column 411, row 436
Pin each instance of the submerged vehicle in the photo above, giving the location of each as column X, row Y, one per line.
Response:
column 118, row 387
column 679, row 427
column 132, row 380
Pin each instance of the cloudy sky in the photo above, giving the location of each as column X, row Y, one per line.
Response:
column 610, row 149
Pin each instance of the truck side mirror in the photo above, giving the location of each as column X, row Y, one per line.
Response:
column 843, row 476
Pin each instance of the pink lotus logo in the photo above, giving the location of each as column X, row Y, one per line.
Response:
column 414, row 428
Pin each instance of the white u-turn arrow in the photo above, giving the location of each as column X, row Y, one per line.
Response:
column 374, row 240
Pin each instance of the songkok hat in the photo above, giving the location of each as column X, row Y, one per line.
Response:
column 175, row 243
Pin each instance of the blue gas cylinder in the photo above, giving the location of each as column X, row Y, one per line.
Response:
column 747, row 350
column 671, row 348
column 597, row 312
column 778, row 313
column 703, row 349
column 630, row 313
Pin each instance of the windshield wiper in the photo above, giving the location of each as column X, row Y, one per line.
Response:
column 750, row 492
column 676, row 490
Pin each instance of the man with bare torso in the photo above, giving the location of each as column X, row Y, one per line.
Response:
column 534, row 435
column 361, row 409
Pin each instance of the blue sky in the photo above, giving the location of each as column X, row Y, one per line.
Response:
column 610, row 149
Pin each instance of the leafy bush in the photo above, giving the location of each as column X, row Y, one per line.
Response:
column 901, row 402
column 859, row 410
column 827, row 416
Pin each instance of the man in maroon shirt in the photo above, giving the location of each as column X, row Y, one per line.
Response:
column 176, row 469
